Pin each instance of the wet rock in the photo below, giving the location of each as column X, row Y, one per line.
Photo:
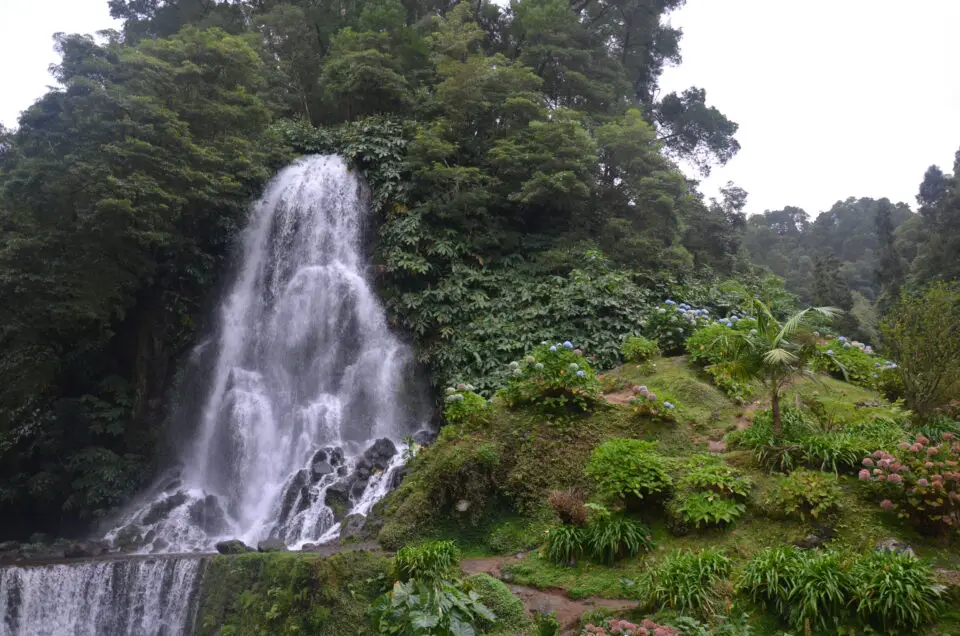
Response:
column 892, row 545
column 297, row 491
column 342, row 471
column 207, row 514
column 162, row 509
column 809, row 542
column 308, row 547
column 359, row 486
column 272, row 545
column 398, row 476
column 380, row 453
column 352, row 528
column 337, row 499
column 234, row 546
column 40, row 537
column 160, row 545
column 82, row 549
column 321, row 468
column 424, row 437
column 129, row 538
column 7, row 546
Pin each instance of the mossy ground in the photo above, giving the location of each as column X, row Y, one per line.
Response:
column 505, row 466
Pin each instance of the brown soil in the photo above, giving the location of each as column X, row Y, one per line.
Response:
column 619, row 397
column 556, row 601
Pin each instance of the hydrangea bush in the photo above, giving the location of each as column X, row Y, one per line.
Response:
column 706, row 348
column 655, row 403
column 672, row 323
column 461, row 405
column 639, row 349
column 622, row 626
column 557, row 378
column 920, row 481
column 851, row 361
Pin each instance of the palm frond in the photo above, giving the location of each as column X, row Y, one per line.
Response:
column 780, row 356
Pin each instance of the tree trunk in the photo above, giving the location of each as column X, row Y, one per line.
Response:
column 775, row 408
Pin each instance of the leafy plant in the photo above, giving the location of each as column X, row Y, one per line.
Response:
column 710, row 473
column 807, row 494
column 686, row 582
column 698, row 508
column 427, row 562
column 462, row 405
column 564, row 544
column 639, row 349
column 609, row 537
column 850, row 361
column 414, row 608
column 656, row 404
column 671, row 324
column 546, row 624
column 625, row 468
column 776, row 452
column 896, row 592
column 556, row 378
column 497, row 597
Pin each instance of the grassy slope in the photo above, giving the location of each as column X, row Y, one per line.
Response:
column 533, row 456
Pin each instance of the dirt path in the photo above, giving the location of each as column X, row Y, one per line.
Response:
column 550, row 601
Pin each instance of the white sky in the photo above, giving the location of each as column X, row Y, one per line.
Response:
column 834, row 98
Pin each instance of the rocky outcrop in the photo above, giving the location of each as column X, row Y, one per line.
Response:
column 272, row 545
column 234, row 546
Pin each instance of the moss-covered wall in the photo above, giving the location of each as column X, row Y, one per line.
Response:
column 276, row 594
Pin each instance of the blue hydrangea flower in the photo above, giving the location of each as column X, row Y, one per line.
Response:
column 842, row 338
column 580, row 374
column 734, row 318
column 668, row 405
column 553, row 348
column 568, row 344
column 829, row 352
column 538, row 366
column 728, row 323
column 643, row 387
column 670, row 302
column 846, row 345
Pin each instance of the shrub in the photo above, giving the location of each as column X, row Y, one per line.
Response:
column 564, row 544
column 712, row 474
column 707, row 346
column 849, row 361
column 626, row 468
column 687, row 582
column 497, row 597
column 921, row 335
column 427, row 562
column 645, row 627
column 921, row 482
column 546, row 624
column 809, row 589
column 775, row 453
column 462, row 405
column 698, row 508
column 807, row 494
column 609, row 537
column 569, row 506
column 670, row 324
column 555, row 378
column 416, row 609
column 656, row 404
column 639, row 349
column 896, row 592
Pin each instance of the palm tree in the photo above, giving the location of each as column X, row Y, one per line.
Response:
column 774, row 353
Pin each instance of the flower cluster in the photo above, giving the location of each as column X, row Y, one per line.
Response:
column 463, row 404
column 921, row 482
column 671, row 324
column 556, row 377
column 646, row 402
column 852, row 361
column 621, row 626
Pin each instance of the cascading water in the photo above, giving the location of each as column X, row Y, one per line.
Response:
column 301, row 423
column 147, row 597
column 308, row 400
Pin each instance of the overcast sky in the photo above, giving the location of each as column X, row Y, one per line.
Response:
column 835, row 98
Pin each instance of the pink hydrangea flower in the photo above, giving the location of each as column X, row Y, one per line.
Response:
column 923, row 482
column 895, row 479
column 886, row 504
column 867, row 461
column 864, row 475
column 933, row 450
column 877, row 454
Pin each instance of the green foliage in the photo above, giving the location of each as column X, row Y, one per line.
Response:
column 546, row 624
column 289, row 593
column 609, row 537
column 895, row 591
column 698, row 508
column 849, row 361
column 556, row 379
column 627, row 468
column 638, row 349
column 920, row 481
column 709, row 473
column 822, row 590
column 686, row 582
column 564, row 544
column 427, row 562
column 418, row 609
column 710, row 493
column 671, row 324
column 776, row 452
column 497, row 597
column 462, row 405
column 922, row 334
column 657, row 404
column 806, row 494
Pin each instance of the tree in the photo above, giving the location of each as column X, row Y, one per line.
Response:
column 774, row 353
column 889, row 273
column 939, row 200
column 922, row 335
column 691, row 130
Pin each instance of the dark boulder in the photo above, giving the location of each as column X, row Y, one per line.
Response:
column 233, row 546
column 380, row 453
column 40, row 537
column 129, row 538
column 83, row 549
column 352, row 528
column 161, row 509
column 272, row 545
column 321, row 468
column 297, row 493
column 398, row 476
column 207, row 514
column 8, row 546
column 424, row 437
column 337, row 498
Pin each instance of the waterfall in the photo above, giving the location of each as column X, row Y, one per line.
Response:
column 144, row 596
column 310, row 396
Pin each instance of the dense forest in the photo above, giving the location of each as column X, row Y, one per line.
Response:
column 524, row 171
